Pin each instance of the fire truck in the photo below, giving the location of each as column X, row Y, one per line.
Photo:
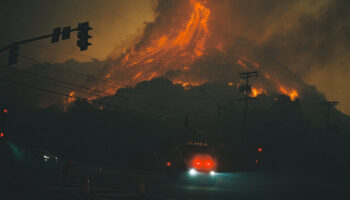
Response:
column 192, row 162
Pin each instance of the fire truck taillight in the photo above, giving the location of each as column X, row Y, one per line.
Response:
column 203, row 163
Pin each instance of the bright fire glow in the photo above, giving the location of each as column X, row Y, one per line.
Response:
column 174, row 49
column 69, row 100
column 256, row 92
column 241, row 63
column 292, row 93
column 187, row 85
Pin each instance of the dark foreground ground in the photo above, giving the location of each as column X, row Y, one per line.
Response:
column 131, row 184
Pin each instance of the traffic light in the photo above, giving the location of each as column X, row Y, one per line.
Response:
column 3, row 113
column 2, row 136
column 83, row 36
column 259, row 157
column 66, row 33
column 56, row 35
column 13, row 54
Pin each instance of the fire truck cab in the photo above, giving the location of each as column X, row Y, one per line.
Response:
column 192, row 162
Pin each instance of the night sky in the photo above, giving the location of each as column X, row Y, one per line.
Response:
column 311, row 37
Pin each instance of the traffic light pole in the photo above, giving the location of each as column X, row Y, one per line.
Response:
column 30, row 40
column 83, row 37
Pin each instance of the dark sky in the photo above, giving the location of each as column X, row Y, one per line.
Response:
column 116, row 25
column 311, row 37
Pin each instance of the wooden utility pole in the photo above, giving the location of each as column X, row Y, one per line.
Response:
column 329, row 105
column 245, row 89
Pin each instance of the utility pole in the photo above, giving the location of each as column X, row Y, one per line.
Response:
column 82, row 43
column 329, row 105
column 245, row 89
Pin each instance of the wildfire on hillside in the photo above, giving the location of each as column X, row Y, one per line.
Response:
column 256, row 92
column 69, row 100
column 177, row 49
column 291, row 93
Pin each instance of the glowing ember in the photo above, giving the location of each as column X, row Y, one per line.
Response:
column 71, row 97
column 69, row 100
column 241, row 63
column 256, row 64
column 256, row 92
column 293, row 94
column 187, row 85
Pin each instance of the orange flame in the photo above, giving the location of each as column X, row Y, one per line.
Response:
column 70, row 99
column 268, row 76
column 256, row 92
column 241, row 63
column 293, row 94
column 175, row 49
column 187, row 85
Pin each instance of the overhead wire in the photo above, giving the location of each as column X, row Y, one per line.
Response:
column 112, row 106
column 78, row 87
column 135, row 100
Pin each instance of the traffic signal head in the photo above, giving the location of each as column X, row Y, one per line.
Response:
column 260, row 149
column 2, row 135
column 66, row 33
column 56, row 35
column 83, row 36
column 3, row 113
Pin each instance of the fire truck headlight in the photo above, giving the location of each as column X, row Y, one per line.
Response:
column 192, row 172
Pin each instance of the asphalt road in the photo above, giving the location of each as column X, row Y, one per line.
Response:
column 112, row 184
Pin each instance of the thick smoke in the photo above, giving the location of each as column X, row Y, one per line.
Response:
column 309, row 37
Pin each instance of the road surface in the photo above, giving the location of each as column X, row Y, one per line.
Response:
column 112, row 184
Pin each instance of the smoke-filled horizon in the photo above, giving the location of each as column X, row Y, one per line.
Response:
column 278, row 38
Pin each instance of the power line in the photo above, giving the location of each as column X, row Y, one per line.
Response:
column 160, row 108
column 82, row 99
column 65, row 70
column 147, row 103
column 61, row 51
column 45, row 77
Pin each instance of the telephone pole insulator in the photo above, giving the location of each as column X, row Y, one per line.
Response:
column 56, row 34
